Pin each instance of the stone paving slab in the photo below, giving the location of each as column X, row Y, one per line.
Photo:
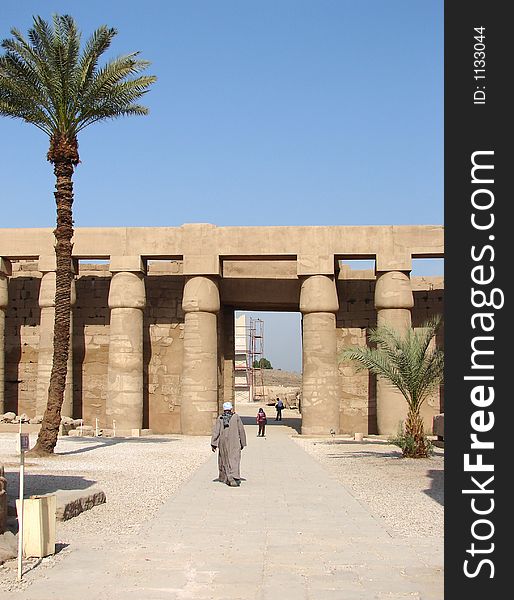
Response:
column 289, row 532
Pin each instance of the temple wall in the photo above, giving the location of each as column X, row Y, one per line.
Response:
column 22, row 339
column 338, row 305
column 163, row 334
column 357, row 313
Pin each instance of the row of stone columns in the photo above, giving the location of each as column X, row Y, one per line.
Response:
column 4, row 299
column 46, row 339
column 127, row 300
column 199, row 386
column 393, row 301
column 321, row 393
column 199, row 382
column 320, row 385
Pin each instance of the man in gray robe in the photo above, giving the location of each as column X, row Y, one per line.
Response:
column 228, row 435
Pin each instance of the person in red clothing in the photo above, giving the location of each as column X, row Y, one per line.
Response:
column 261, row 422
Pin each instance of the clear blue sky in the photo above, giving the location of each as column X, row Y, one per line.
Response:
column 268, row 112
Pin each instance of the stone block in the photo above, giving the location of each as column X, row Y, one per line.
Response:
column 132, row 264
column 5, row 266
column 202, row 264
column 7, row 417
column 82, row 431
column 3, row 500
column 438, row 426
column 39, row 525
column 315, row 264
column 70, row 503
column 393, row 261
column 8, row 546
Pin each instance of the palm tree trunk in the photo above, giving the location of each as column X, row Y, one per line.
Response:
column 414, row 429
column 63, row 169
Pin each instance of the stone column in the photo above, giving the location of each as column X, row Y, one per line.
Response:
column 226, row 357
column 127, row 300
column 199, row 384
column 5, row 271
column 393, row 301
column 46, row 340
column 320, row 388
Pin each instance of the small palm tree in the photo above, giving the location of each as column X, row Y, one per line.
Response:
column 48, row 82
column 408, row 361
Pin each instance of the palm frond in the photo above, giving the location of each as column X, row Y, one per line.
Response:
column 405, row 359
column 46, row 79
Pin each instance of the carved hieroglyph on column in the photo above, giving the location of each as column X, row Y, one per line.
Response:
column 199, row 385
column 46, row 340
column 320, row 388
column 4, row 300
column 393, row 301
column 127, row 299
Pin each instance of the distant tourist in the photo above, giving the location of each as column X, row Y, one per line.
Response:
column 261, row 422
column 280, row 407
column 228, row 435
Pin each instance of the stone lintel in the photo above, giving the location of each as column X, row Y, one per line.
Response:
column 259, row 269
column 315, row 264
column 393, row 262
column 346, row 272
column 202, row 264
column 129, row 264
column 5, row 267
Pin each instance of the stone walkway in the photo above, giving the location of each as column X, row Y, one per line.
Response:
column 290, row 532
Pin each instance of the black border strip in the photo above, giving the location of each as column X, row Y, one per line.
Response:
column 477, row 121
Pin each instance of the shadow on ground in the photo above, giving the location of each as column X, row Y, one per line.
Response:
column 96, row 443
column 368, row 453
column 37, row 484
column 293, row 422
column 436, row 489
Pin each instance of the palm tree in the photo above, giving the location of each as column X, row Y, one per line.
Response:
column 47, row 81
column 412, row 365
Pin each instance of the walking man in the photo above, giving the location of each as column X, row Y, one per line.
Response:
column 229, row 437
column 279, row 406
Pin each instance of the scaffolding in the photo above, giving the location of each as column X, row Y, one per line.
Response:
column 255, row 354
column 248, row 352
column 242, row 375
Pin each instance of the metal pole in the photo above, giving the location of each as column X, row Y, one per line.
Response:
column 20, row 516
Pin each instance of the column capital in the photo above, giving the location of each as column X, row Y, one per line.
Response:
column 318, row 293
column 4, row 294
column 393, row 289
column 127, row 290
column 5, row 267
column 201, row 294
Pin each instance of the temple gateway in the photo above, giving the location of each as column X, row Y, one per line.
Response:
column 153, row 319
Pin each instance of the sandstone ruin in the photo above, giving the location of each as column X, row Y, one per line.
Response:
column 153, row 319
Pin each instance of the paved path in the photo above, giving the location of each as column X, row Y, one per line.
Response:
column 289, row 532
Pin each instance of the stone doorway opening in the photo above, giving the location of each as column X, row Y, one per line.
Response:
column 268, row 365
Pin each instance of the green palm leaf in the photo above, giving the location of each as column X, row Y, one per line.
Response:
column 405, row 359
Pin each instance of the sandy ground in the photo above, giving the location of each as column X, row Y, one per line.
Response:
column 139, row 474
column 406, row 494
